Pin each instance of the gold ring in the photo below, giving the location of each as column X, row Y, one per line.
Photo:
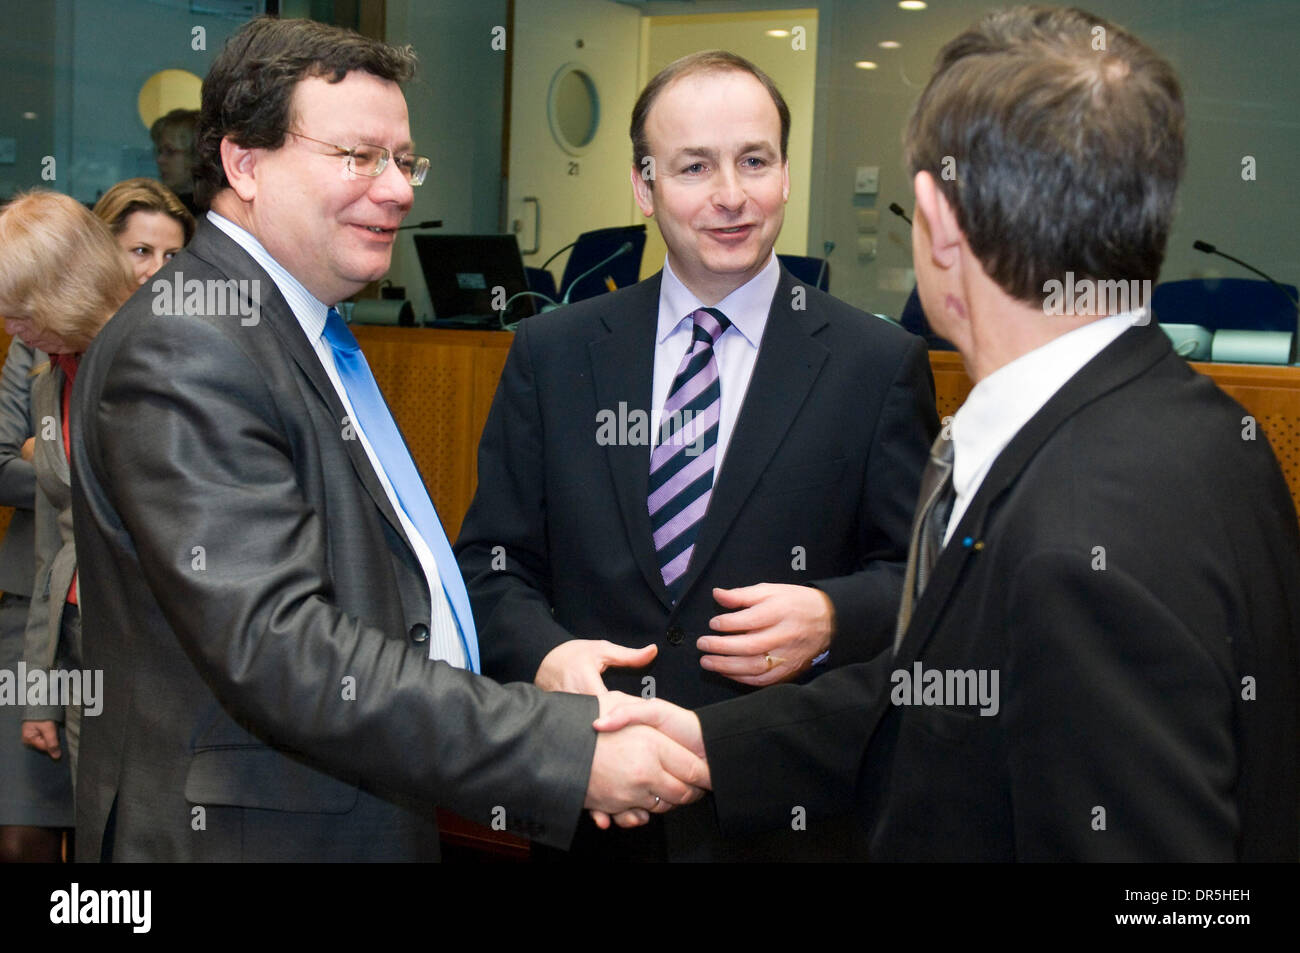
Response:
column 770, row 663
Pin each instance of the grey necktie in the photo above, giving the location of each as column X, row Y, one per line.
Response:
column 933, row 509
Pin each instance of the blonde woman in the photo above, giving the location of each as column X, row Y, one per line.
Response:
column 62, row 277
column 148, row 222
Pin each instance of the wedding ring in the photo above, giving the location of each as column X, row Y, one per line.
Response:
column 769, row 662
column 656, row 802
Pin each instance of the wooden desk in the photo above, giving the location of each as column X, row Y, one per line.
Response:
column 439, row 384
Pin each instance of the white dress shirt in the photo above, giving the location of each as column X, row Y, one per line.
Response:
column 1002, row 403
column 735, row 351
column 444, row 640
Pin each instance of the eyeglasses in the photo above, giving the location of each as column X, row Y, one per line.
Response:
column 370, row 160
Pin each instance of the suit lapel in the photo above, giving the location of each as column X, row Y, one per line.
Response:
column 54, row 453
column 622, row 369
column 1131, row 354
column 788, row 364
column 220, row 251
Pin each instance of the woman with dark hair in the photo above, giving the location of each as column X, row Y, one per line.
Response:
column 148, row 221
column 62, row 276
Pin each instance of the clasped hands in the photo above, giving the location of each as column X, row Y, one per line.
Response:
column 650, row 754
column 649, row 759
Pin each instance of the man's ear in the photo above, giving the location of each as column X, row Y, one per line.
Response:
column 932, row 205
column 785, row 180
column 240, row 164
column 642, row 190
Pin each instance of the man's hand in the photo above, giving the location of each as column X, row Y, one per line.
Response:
column 637, row 770
column 774, row 635
column 576, row 666
column 43, row 736
column 28, row 451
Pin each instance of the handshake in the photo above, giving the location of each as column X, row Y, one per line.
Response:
column 649, row 759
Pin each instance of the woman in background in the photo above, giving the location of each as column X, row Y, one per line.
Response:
column 62, row 276
column 149, row 223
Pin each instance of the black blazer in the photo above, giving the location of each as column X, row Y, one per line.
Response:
column 1131, row 568
column 254, row 604
column 817, row 487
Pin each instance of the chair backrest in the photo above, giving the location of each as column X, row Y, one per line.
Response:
column 808, row 270
column 1239, row 304
column 914, row 319
column 591, row 248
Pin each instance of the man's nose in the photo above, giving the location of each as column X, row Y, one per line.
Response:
column 392, row 185
column 728, row 192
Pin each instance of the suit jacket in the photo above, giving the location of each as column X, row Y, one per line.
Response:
column 1130, row 567
column 17, row 478
column 817, row 487
column 261, row 619
column 56, row 554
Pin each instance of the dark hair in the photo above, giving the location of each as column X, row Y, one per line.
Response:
column 248, row 90
column 705, row 61
column 1057, row 138
column 184, row 120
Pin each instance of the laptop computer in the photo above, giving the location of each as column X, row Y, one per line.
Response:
column 470, row 276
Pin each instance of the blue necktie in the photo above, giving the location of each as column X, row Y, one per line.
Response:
column 380, row 429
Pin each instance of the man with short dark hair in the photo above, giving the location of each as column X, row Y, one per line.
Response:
column 667, row 484
column 287, row 647
column 1096, row 654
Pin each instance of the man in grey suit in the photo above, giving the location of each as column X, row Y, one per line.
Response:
column 284, row 651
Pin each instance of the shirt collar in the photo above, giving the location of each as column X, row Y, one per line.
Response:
column 307, row 308
column 747, row 307
column 1002, row 403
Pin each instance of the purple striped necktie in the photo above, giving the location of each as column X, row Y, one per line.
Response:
column 682, row 464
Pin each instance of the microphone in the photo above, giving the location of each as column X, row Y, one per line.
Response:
column 623, row 249
column 558, row 254
column 1295, row 338
column 432, row 223
column 898, row 210
column 827, row 248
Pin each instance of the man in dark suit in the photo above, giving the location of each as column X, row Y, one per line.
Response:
column 1097, row 646
column 753, row 539
column 284, row 646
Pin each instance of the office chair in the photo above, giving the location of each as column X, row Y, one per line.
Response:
column 1225, row 304
column 591, row 249
column 810, row 271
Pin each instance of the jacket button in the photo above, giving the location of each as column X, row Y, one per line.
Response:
column 419, row 633
column 675, row 635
